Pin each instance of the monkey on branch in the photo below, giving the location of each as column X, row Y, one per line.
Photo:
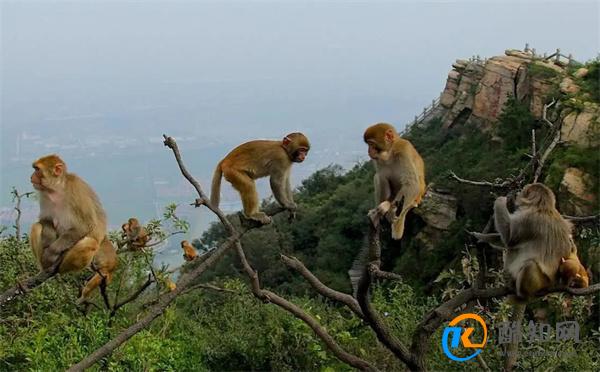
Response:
column 399, row 178
column 71, row 232
column 537, row 243
column 256, row 159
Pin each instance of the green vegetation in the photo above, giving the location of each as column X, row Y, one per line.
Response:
column 232, row 330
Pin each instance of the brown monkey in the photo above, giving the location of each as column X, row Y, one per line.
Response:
column 71, row 232
column 535, row 237
column 257, row 159
column 572, row 273
column 400, row 175
column 189, row 253
column 136, row 234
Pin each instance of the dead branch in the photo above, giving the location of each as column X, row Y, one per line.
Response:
column 297, row 265
column 133, row 296
column 501, row 185
column 547, row 152
column 19, row 198
column 24, row 287
column 582, row 218
column 363, row 295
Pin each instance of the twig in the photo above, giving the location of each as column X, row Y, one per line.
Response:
column 17, row 208
column 133, row 297
column 545, row 111
column 504, row 184
column 209, row 286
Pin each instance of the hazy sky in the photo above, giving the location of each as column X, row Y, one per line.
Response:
column 248, row 65
column 76, row 74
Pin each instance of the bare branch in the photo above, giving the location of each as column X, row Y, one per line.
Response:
column 547, row 153
column 582, row 218
column 208, row 286
column 24, row 287
column 133, row 296
column 504, row 184
column 375, row 321
column 297, row 265
column 19, row 197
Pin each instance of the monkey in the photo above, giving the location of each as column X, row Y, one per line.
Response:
column 400, row 175
column 136, row 234
column 189, row 253
column 572, row 273
column 71, row 232
column 535, row 239
column 171, row 284
column 256, row 159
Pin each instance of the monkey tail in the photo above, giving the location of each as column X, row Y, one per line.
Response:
column 215, row 191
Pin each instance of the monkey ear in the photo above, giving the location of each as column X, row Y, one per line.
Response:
column 578, row 275
column 562, row 259
column 389, row 135
column 59, row 169
column 286, row 140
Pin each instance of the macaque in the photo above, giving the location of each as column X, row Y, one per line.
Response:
column 400, row 176
column 136, row 234
column 189, row 253
column 257, row 159
column 171, row 284
column 535, row 239
column 71, row 232
column 572, row 273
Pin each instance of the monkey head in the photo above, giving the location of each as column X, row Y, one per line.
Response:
column 537, row 195
column 184, row 243
column 572, row 272
column 379, row 138
column 49, row 173
column 296, row 145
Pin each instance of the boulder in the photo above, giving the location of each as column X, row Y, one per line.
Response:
column 437, row 210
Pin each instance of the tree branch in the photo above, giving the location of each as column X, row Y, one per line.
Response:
column 24, row 287
column 297, row 265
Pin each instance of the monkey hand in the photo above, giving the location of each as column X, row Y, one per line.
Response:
column 501, row 200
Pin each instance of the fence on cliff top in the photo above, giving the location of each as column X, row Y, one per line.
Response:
column 422, row 116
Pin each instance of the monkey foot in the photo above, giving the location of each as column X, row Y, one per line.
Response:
column 256, row 220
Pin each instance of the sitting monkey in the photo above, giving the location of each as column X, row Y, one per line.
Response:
column 572, row 273
column 257, row 159
column 535, row 239
column 399, row 178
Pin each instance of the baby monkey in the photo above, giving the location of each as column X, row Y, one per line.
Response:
column 572, row 273
column 257, row 159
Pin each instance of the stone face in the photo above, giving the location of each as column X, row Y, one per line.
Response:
column 574, row 197
column 497, row 84
column 582, row 128
column 437, row 210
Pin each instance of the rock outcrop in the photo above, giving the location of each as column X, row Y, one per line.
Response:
column 574, row 196
column 478, row 90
